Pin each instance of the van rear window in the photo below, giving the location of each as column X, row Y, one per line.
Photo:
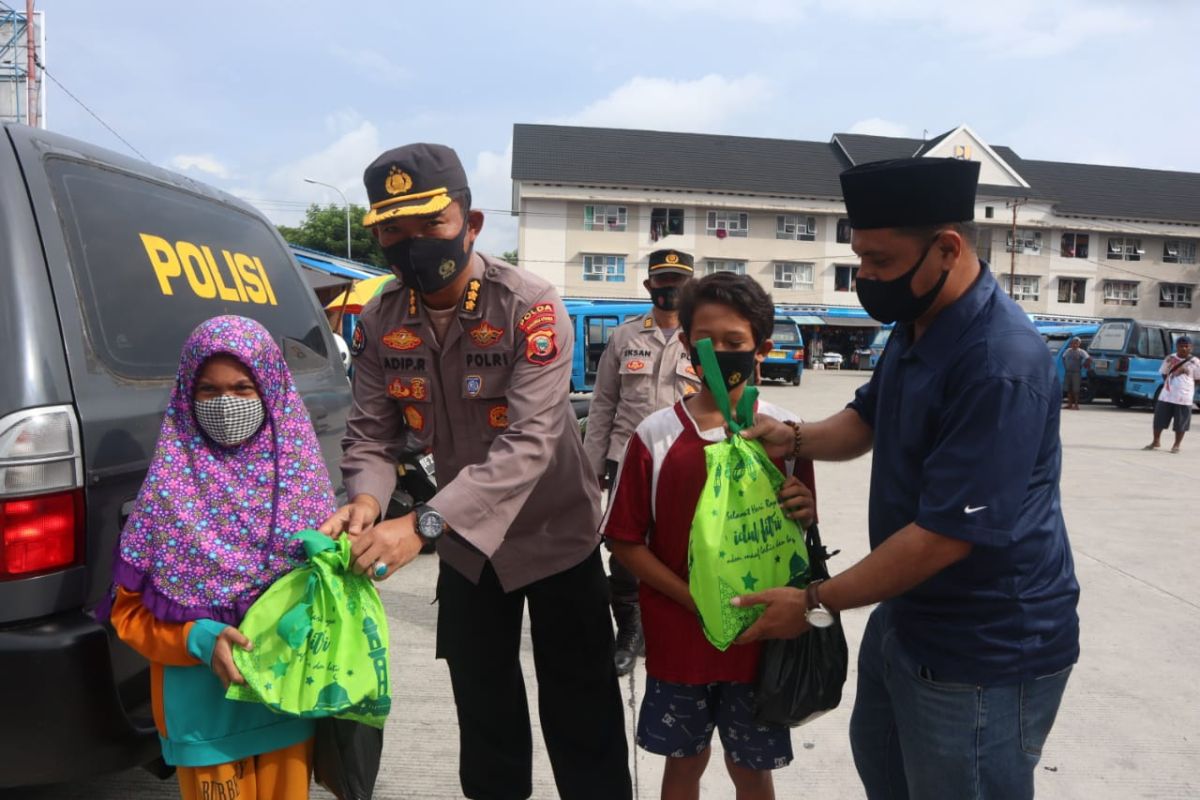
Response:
column 785, row 333
column 1112, row 336
column 151, row 262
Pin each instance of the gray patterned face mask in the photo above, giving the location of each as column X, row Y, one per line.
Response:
column 230, row 420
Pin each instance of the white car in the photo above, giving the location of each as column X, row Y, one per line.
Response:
column 832, row 360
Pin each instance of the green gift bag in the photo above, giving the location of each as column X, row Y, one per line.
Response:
column 741, row 541
column 320, row 641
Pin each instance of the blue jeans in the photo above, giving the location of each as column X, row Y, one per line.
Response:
column 919, row 738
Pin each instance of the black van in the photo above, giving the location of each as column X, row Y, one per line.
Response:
column 106, row 265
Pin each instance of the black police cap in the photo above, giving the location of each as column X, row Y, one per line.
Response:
column 671, row 261
column 412, row 181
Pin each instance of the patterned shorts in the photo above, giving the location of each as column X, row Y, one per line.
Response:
column 677, row 721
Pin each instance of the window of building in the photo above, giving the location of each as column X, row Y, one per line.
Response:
column 1179, row 251
column 605, row 218
column 610, row 269
column 799, row 228
column 844, row 276
column 1021, row 287
column 734, row 223
column 665, row 222
column 983, row 244
column 989, row 212
column 1071, row 290
column 793, row 274
column 1074, row 245
column 1121, row 293
column 712, row 266
column 1028, row 242
column 1174, row 295
column 843, row 231
column 1125, row 248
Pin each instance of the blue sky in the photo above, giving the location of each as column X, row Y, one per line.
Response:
column 255, row 96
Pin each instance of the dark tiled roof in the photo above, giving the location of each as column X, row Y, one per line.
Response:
column 747, row 165
column 653, row 159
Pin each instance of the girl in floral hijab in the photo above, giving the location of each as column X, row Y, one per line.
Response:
column 236, row 472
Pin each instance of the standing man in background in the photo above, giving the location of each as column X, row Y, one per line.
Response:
column 644, row 368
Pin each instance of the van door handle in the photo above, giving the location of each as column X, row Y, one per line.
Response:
column 126, row 510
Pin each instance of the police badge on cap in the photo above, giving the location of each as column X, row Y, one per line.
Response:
column 412, row 181
column 671, row 261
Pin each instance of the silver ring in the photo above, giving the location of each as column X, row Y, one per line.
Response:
column 381, row 570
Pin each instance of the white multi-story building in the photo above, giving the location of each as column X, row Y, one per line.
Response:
column 1090, row 240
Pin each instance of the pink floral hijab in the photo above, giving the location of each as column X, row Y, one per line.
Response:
column 211, row 528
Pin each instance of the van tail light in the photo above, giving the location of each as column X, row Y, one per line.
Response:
column 798, row 354
column 41, row 491
column 1123, row 364
column 40, row 533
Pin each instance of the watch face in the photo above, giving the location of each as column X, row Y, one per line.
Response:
column 430, row 524
column 819, row 617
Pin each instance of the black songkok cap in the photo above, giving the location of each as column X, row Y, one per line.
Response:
column 910, row 192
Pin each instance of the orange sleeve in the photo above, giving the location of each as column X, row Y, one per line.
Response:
column 159, row 642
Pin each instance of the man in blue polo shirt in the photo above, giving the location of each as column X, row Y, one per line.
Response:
column 963, row 664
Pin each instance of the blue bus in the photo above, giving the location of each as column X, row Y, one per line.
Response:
column 594, row 322
column 877, row 344
column 1126, row 356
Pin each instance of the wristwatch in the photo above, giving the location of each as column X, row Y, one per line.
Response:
column 817, row 615
column 430, row 524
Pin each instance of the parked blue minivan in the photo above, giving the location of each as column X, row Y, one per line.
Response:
column 594, row 322
column 1058, row 339
column 785, row 362
column 1126, row 356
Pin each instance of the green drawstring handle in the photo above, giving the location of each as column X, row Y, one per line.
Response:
column 295, row 625
column 716, row 385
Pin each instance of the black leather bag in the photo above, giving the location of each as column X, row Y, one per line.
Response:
column 800, row 679
column 346, row 757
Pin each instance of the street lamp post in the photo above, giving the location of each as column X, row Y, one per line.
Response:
column 346, row 203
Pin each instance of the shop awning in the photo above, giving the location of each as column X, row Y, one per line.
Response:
column 319, row 279
column 849, row 322
column 807, row 319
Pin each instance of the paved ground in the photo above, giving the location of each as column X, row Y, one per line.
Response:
column 1130, row 722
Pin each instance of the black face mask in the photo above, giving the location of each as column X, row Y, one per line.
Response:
column 736, row 365
column 665, row 297
column 894, row 301
column 429, row 265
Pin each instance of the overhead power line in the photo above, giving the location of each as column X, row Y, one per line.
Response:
column 84, row 106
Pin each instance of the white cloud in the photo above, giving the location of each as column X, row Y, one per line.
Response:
column 709, row 104
column 199, row 163
column 1014, row 28
column 370, row 65
column 491, row 188
column 879, row 127
column 745, row 10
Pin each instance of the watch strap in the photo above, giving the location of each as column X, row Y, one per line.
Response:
column 812, row 595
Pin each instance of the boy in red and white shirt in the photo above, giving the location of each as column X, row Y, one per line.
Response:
column 693, row 687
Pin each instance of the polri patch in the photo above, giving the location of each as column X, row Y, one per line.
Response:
column 402, row 339
column 636, row 365
column 412, row 389
column 473, row 385
column 358, row 341
column 540, row 316
column 414, row 418
column 498, row 416
column 485, row 334
column 540, row 347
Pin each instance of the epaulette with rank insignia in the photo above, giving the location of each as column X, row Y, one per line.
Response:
column 648, row 323
column 471, row 299
column 412, row 302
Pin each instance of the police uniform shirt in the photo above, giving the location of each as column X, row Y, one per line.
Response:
column 966, row 444
column 640, row 371
column 492, row 400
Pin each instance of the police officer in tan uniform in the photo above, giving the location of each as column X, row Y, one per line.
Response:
column 644, row 368
column 472, row 356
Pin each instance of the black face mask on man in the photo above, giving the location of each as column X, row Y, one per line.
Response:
column 894, row 301
column 429, row 265
column 736, row 365
column 665, row 297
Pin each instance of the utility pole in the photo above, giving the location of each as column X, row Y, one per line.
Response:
column 1012, row 247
